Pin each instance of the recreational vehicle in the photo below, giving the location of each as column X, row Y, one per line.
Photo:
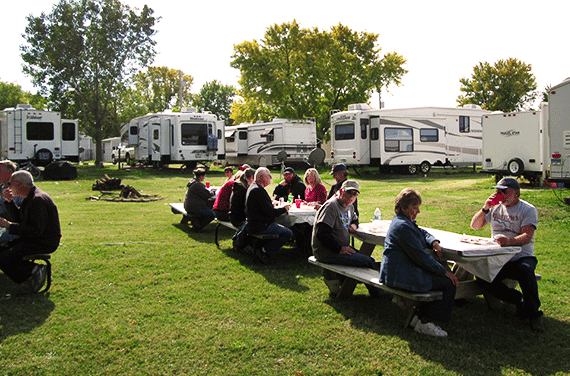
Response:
column 186, row 137
column 39, row 136
column 263, row 143
column 413, row 139
column 559, row 132
column 516, row 144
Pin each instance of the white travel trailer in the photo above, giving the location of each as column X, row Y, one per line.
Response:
column 39, row 136
column 411, row 138
column 262, row 143
column 186, row 137
column 559, row 132
column 516, row 144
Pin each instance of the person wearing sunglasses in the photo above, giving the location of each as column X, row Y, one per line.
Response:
column 334, row 222
column 513, row 222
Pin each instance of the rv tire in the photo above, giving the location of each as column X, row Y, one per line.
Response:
column 412, row 169
column 515, row 167
column 425, row 167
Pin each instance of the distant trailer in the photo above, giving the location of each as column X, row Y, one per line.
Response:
column 263, row 143
column 516, row 144
column 412, row 139
column 186, row 137
column 36, row 135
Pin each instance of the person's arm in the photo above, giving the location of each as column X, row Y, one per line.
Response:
column 478, row 221
column 524, row 238
column 324, row 234
column 415, row 248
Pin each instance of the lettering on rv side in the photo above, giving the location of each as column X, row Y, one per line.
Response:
column 33, row 117
column 510, row 133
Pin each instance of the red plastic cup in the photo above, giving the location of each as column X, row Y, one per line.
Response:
column 298, row 203
column 498, row 198
column 207, row 184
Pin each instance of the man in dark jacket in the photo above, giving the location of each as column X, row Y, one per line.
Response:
column 261, row 215
column 340, row 175
column 198, row 201
column 36, row 222
column 292, row 184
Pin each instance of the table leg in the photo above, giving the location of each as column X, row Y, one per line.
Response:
column 349, row 284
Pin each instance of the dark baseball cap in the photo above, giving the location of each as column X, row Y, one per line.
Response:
column 289, row 170
column 338, row 167
column 508, row 183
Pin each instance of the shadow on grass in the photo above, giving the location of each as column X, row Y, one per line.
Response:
column 21, row 313
column 480, row 342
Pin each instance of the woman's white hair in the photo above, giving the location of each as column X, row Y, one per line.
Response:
column 24, row 178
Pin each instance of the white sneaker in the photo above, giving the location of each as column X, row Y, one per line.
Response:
column 430, row 329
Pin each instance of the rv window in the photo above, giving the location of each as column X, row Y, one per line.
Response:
column 363, row 124
column 344, row 132
column 374, row 134
column 38, row 131
column 68, row 131
column 429, row 135
column 398, row 139
column 242, row 135
column 134, row 130
column 194, row 134
column 219, row 134
column 464, row 124
column 155, row 135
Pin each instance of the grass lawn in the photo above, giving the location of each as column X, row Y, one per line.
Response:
column 136, row 293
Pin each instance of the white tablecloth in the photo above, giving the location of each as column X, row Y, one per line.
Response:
column 305, row 214
column 483, row 260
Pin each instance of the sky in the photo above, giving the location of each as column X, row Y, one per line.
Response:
column 441, row 40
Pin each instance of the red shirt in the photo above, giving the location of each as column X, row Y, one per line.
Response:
column 222, row 202
column 318, row 194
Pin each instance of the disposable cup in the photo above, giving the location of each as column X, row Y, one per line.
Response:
column 298, row 202
column 207, row 184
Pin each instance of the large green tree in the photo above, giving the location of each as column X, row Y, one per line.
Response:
column 507, row 86
column 216, row 98
column 298, row 73
column 82, row 53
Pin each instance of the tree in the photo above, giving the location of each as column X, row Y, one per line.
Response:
column 216, row 98
column 11, row 95
column 507, row 86
column 82, row 53
column 300, row 73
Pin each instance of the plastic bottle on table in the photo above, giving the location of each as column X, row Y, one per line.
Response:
column 377, row 215
column 290, row 198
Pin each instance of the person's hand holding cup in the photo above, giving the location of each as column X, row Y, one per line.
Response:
column 495, row 198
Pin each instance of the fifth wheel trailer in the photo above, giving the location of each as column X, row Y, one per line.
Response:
column 259, row 144
column 186, row 137
column 37, row 135
column 410, row 138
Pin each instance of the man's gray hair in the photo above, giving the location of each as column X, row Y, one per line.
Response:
column 260, row 172
column 8, row 165
column 24, row 178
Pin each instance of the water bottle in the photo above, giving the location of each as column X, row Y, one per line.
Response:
column 377, row 215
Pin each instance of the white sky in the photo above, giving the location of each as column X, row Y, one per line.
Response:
column 441, row 40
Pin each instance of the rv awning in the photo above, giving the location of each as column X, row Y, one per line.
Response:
column 229, row 134
column 267, row 132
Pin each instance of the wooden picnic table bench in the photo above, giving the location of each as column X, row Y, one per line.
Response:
column 178, row 208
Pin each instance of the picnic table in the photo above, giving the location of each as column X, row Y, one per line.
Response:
column 482, row 257
column 304, row 214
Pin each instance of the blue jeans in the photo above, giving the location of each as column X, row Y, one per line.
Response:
column 521, row 270
column 273, row 245
column 439, row 310
column 5, row 236
column 203, row 216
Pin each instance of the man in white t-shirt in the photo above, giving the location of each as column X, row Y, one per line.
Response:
column 513, row 222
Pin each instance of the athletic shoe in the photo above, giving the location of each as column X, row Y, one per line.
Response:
column 430, row 329
column 261, row 255
column 37, row 279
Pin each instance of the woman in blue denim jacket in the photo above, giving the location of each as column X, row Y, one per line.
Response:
column 408, row 265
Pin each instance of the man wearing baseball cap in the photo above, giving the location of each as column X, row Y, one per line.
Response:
column 334, row 222
column 292, row 184
column 513, row 222
column 340, row 175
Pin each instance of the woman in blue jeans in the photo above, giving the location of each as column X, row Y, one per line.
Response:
column 407, row 265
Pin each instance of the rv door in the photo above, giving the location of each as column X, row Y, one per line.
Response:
column 155, row 144
column 69, row 140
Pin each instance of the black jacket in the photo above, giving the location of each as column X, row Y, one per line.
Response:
column 295, row 187
column 259, row 209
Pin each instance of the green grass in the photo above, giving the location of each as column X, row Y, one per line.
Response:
column 136, row 293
